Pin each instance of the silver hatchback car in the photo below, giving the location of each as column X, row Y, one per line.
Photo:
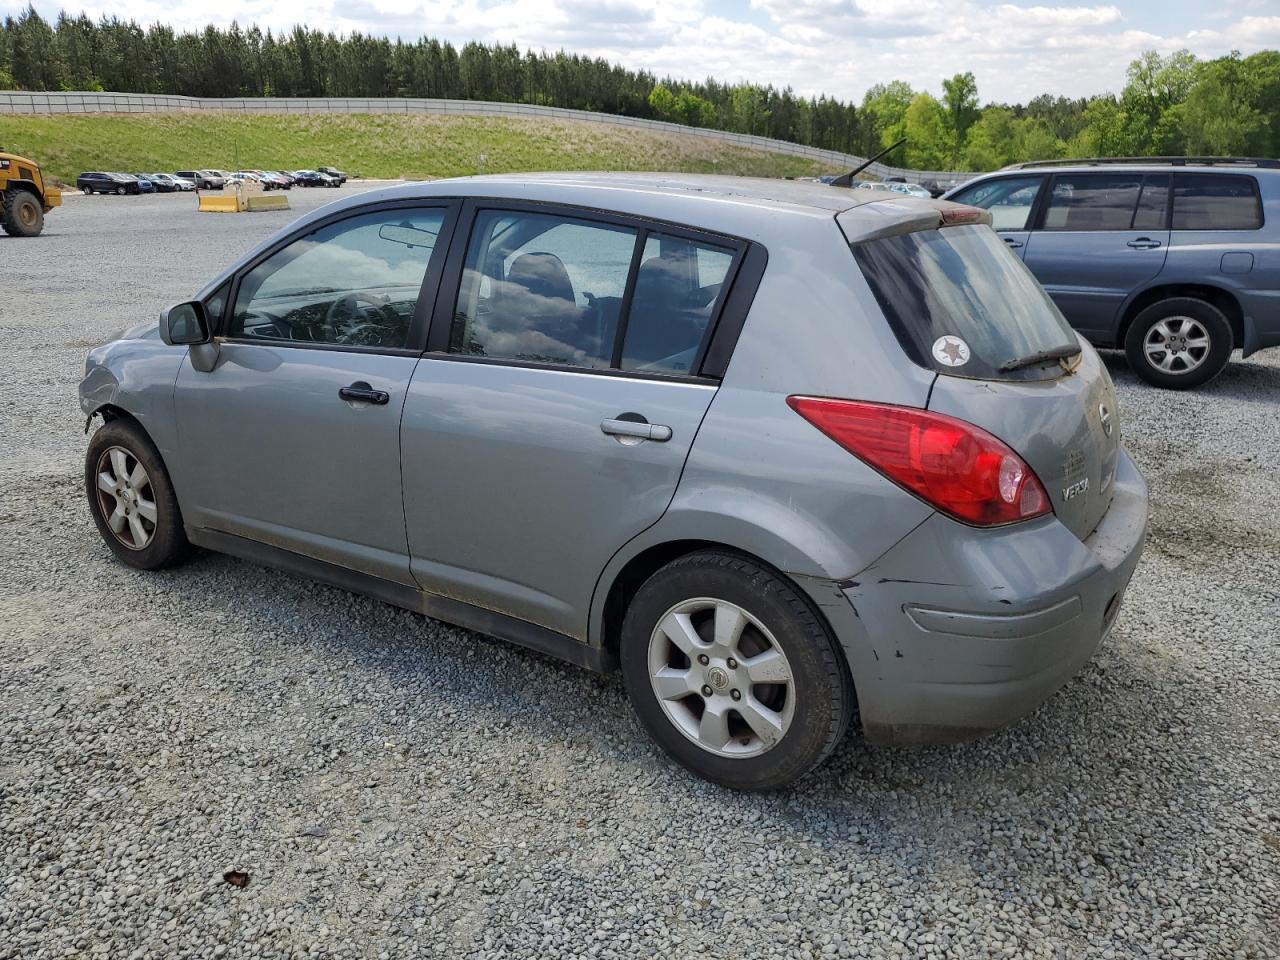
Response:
column 784, row 453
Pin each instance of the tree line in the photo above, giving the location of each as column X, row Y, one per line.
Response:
column 1174, row 104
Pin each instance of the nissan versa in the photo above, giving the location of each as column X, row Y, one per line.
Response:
column 783, row 453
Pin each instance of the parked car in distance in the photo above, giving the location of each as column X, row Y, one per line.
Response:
column 144, row 184
column 99, row 182
column 314, row 178
column 1171, row 259
column 873, row 185
column 286, row 178
column 776, row 449
column 203, row 179
column 105, row 182
column 909, row 189
column 157, row 184
column 173, row 183
column 335, row 173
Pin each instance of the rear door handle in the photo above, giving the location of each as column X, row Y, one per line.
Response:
column 639, row 430
column 1012, row 242
column 1143, row 243
column 361, row 392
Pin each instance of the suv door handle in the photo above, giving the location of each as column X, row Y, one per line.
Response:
column 361, row 392
column 1143, row 243
column 639, row 430
column 1012, row 242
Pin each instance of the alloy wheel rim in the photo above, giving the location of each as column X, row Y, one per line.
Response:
column 27, row 214
column 721, row 678
column 1177, row 345
column 126, row 498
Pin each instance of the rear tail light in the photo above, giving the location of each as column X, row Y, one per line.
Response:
column 952, row 465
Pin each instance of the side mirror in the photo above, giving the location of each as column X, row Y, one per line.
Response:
column 184, row 323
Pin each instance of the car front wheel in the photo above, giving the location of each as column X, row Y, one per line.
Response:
column 1179, row 343
column 132, row 499
column 732, row 673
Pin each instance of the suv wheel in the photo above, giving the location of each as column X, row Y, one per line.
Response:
column 732, row 673
column 1179, row 343
column 22, row 215
column 131, row 498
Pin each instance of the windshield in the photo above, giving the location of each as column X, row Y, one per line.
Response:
column 962, row 304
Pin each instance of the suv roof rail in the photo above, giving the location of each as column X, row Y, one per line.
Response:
column 1152, row 161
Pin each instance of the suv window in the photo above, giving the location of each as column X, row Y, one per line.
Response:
column 545, row 288
column 1009, row 199
column 1093, row 201
column 354, row 282
column 962, row 304
column 1213, row 201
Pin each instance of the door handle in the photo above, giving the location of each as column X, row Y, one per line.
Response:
column 1012, row 242
column 636, row 429
column 1143, row 243
column 361, row 392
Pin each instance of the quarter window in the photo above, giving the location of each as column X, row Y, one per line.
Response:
column 1215, row 202
column 1009, row 199
column 355, row 282
column 543, row 288
column 1103, row 201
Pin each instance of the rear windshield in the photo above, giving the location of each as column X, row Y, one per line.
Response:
column 962, row 304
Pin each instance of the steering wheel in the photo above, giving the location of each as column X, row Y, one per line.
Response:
column 354, row 313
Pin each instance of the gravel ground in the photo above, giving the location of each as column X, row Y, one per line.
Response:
column 395, row 787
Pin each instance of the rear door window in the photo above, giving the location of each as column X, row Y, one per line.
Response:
column 962, row 304
column 1009, row 199
column 678, row 285
column 1092, row 201
column 547, row 288
column 1211, row 201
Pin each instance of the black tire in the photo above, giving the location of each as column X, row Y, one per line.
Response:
column 22, row 215
column 168, row 543
column 87, row 191
column 1187, row 368
column 821, row 686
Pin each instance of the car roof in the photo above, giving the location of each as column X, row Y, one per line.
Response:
column 749, row 207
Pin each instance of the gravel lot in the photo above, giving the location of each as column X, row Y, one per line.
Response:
column 395, row 787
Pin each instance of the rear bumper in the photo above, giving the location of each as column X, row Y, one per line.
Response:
column 957, row 631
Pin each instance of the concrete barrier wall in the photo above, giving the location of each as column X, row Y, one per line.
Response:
column 12, row 102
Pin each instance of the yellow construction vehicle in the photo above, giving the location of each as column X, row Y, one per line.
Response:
column 24, row 196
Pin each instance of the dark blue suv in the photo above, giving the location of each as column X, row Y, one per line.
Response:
column 1175, row 259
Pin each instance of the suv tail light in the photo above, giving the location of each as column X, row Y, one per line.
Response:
column 952, row 465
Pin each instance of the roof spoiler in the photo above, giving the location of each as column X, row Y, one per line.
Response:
column 846, row 179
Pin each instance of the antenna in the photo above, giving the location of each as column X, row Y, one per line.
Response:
column 846, row 179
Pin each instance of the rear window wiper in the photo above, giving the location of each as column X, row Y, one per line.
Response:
column 1057, row 353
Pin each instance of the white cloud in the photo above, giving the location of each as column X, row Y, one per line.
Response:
column 837, row 47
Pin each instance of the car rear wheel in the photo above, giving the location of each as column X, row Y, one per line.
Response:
column 22, row 214
column 131, row 498
column 1179, row 343
column 732, row 673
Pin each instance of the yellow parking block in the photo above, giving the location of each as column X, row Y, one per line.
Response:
column 265, row 202
column 227, row 203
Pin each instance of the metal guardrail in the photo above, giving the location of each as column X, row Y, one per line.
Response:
column 16, row 102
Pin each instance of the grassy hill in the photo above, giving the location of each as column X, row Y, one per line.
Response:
column 370, row 145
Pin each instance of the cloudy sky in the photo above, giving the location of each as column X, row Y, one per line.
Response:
column 840, row 47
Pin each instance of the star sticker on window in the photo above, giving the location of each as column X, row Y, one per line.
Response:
column 952, row 350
